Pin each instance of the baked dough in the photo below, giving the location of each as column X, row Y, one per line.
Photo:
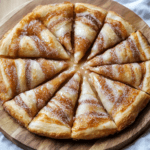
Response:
column 26, row 105
column 88, row 21
column 115, row 30
column 58, row 18
column 122, row 102
column 134, row 74
column 91, row 120
column 50, row 103
column 56, row 118
column 19, row 75
column 134, row 49
column 30, row 38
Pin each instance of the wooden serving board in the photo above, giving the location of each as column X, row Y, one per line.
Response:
column 23, row 138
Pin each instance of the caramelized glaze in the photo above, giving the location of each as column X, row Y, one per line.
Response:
column 115, row 30
column 56, row 18
column 88, row 22
column 18, row 100
column 59, row 108
column 128, row 51
column 118, row 28
column 92, row 119
column 11, row 73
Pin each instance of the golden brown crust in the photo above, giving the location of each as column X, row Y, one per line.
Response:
column 58, row 19
column 36, row 35
column 91, row 120
column 94, row 134
column 134, row 49
column 53, row 128
column 88, row 21
column 90, row 6
column 55, row 119
column 26, row 105
column 115, row 30
column 129, row 116
column 21, row 116
column 30, row 38
column 85, row 127
column 97, row 14
column 19, row 75
column 114, row 13
column 122, row 102
column 134, row 74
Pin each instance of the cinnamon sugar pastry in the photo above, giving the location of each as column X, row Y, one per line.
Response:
column 115, row 30
column 26, row 105
column 122, row 102
column 56, row 118
column 58, row 19
column 91, row 120
column 134, row 74
column 53, row 104
column 134, row 49
column 88, row 21
column 19, row 75
column 30, row 38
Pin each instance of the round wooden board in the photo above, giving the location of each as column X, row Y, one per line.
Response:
column 27, row 140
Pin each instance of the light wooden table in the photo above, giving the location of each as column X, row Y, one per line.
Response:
column 7, row 6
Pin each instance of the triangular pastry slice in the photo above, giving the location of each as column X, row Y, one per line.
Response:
column 30, row 38
column 134, row 74
column 122, row 102
column 115, row 30
column 88, row 21
column 58, row 18
column 134, row 49
column 56, row 118
column 19, row 75
column 91, row 120
column 26, row 105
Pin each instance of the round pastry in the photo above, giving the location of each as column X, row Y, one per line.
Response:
column 74, row 71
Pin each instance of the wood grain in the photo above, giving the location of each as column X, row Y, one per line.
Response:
column 27, row 140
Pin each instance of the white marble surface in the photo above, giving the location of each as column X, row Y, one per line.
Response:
column 142, row 8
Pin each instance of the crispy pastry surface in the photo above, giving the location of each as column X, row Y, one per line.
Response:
column 56, row 118
column 91, row 120
column 115, row 30
column 25, row 106
column 122, row 102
